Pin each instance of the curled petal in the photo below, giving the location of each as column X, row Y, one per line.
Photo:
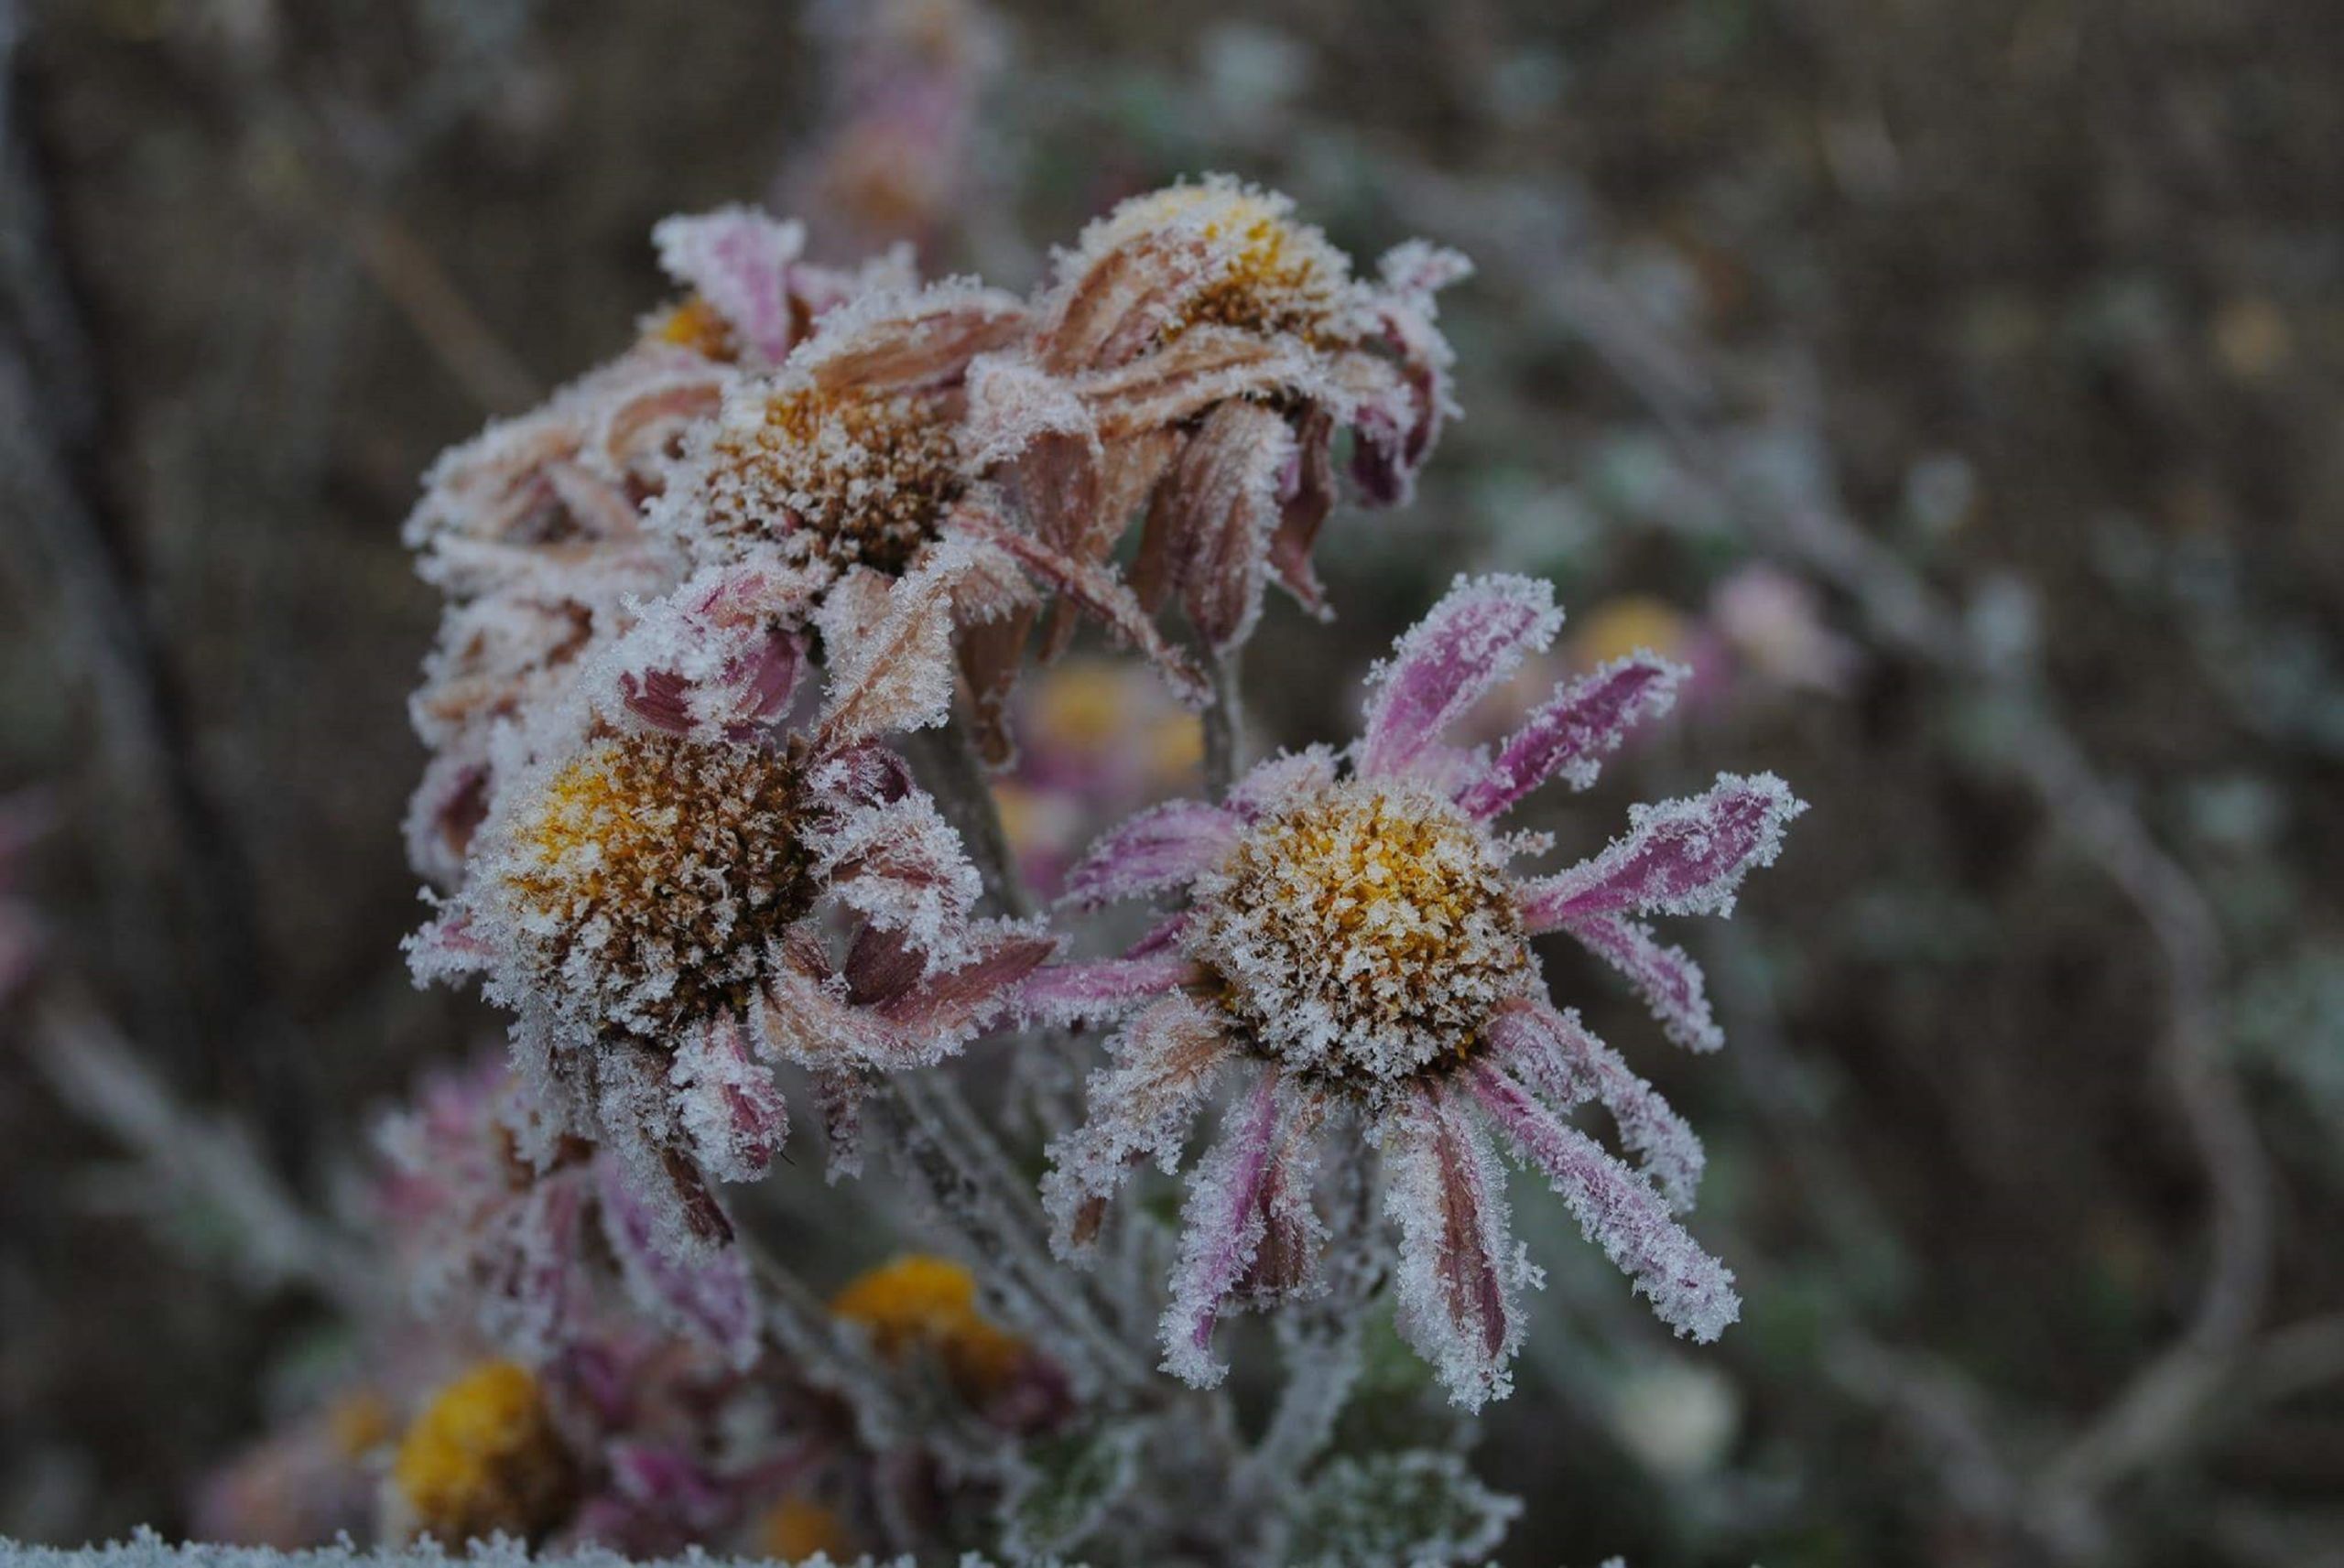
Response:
column 1215, row 512
column 889, row 341
column 901, row 865
column 1221, row 1227
column 1690, row 1290
column 729, row 1105
column 1681, row 857
column 1202, row 368
column 890, row 648
column 706, row 1294
column 449, row 949
column 1165, row 847
column 1111, row 306
column 738, row 259
column 1555, row 1055
column 1166, row 1059
column 1305, row 498
column 1461, row 1273
column 1573, row 731
column 1472, row 640
column 719, row 658
column 1285, row 1265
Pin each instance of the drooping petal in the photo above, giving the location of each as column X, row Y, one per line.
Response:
column 1094, row 586
column 1166, row 1061
column 1215, row 512
column 738, row 259
column 706, row 1294
column 1108, row 988
column 1203, row 367
column 1665, row 976
column 1165, row 847
column 534, row 1291
column 719, row 657
column 1222, row 1226
column 1573, row 731
column 901, row 865
column 1619, row 1210
column 1461, row 1273
column 1680, row 857
column 889, row 646
column 1285, row 1265
column 1555, row 1055
column 729, row 1105
column 943, row 1011
column 1306, row 500
column 1470, row 641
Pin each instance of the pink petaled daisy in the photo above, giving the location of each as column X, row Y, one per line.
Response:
column 1351, row 933
column 655, row 898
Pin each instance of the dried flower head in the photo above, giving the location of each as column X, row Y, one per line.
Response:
column 1353, row 943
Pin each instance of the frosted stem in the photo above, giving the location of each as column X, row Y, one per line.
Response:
column 1224, row 724
column 956, row 777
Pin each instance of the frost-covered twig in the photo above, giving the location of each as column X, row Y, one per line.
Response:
column 1224, row 723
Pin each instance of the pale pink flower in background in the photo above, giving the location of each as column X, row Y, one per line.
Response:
column 1352, row 946
column 1773, row 624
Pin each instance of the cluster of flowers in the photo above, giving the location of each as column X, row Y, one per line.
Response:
column 700, row 601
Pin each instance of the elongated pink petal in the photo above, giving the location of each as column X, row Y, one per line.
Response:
column 942, row 1011
column 707, row 1295
column 1470, row 641
column 1576, row 728
column 1665, row 976
column 1106, row 988
column 739, row 261
column 1285, row 1265
column 1459, row 1272
column 1680, row 857
column 1555, row 1055
column 1222, row 1226
column 1618, row 1210
column 1166, row 847
column 1166, row 1060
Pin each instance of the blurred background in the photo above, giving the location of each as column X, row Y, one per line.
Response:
column 1954, row 383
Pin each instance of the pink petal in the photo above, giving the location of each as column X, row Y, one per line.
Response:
column 706, row 1294
column 1681, row 857
column 1070, row 993
column 1618, row 1210
column 1163, row 848
column 944, row 1011
column 1166, row 1060
column 739, row 261
column 1222, row 1226
column 1666, row 977
column 1470, row 641
column 1582, row 724
column 1459, row 1272
column 1555, row 1055
column 728, row 1103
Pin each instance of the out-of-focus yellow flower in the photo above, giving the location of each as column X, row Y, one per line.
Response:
column 1620, row 626
column 797, row 1528
column 483, row 1456
column 360, row 1423
column 920, row 1302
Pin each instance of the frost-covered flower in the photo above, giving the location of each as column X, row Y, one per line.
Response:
column 656, row 900
column 1353, row 946
column 916, row 1305
column 1193, row 361
column 855, row 456
column 535, row 528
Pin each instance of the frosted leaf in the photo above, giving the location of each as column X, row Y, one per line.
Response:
column 1465, row 645
column 1461, row 1273
column 704, row 1293
column 1222, row 1226
column 738, row 259
column 1554, row 1054
column 1680, row 857
column 1618, row 1210
column 1574, row 731
column 729, row 1108
column 1068, row 1487
column 1165, row 847
column 1666, row 977
column 1065, row 994
column 1166, row 1062
column 1422, row 1507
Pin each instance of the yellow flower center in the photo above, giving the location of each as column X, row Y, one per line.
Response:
column 697, row 325
column 650, row 876
column 1361, row 934
column 850, row 479
column 1275, row 275
column 919, row 1302
column 483, row 1457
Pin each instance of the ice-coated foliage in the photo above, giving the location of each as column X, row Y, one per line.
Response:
column 1383, row 1509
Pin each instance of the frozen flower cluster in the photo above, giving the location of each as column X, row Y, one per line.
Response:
column 736, row 627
